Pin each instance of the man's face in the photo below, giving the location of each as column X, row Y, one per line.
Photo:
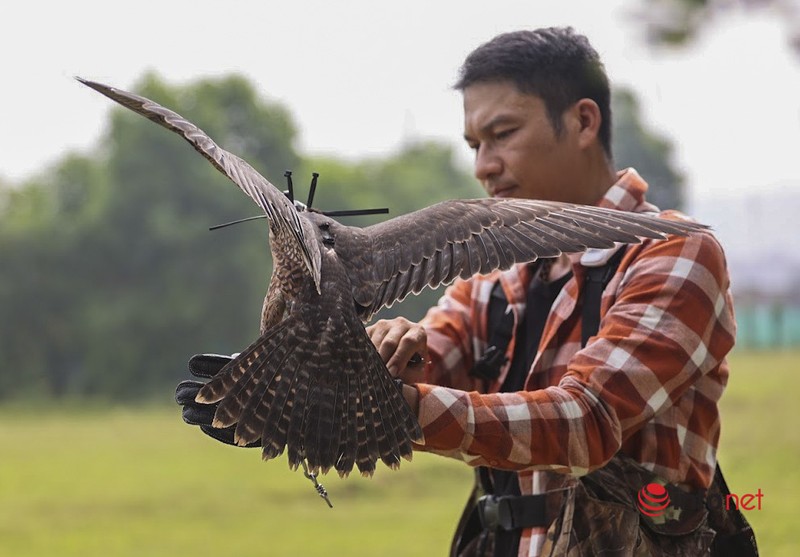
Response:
column 517, row 153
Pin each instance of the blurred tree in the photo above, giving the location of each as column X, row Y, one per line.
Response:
column 42, row 228
column 678, row 22
column 647, row 151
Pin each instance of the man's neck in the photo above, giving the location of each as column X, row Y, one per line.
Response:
column 602, row 177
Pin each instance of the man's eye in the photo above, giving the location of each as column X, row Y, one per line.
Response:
column 503, row 134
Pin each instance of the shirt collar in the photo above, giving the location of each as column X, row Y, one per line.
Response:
column 627, row 193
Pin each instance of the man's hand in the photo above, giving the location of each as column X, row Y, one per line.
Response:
column 194, row 413
column 403, row 345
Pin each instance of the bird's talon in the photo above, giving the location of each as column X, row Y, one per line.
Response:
column 321, row 491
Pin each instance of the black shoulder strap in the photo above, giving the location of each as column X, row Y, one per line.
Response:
column 500, row 325
column 597, row 278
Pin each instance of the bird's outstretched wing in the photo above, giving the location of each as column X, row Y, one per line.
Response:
column 459, row 238
column 282, row 214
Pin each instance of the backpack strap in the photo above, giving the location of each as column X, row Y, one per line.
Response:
column 597, row 278
column 735, row 536
column 500, row 325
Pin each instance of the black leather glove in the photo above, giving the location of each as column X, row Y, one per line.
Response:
column 194, row 413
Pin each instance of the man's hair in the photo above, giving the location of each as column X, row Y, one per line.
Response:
column 556, row 64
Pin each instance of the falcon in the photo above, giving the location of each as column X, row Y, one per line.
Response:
column 313, row 383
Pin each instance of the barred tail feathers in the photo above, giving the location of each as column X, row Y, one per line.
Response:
column 321, row 392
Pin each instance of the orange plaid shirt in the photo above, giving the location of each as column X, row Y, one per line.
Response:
column 648, row 383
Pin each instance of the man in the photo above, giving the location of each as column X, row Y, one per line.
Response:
column 536, row 114
column 560, row 425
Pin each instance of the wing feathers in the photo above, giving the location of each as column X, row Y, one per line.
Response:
column 460, row 238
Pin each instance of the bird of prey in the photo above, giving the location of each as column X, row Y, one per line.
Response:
column 313, row 382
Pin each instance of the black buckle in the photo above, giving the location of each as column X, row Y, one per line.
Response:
column 488, row 366
column 512, row 512
column 489, row 512
column 495, row 512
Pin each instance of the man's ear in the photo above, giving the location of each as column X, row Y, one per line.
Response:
column 588, row 117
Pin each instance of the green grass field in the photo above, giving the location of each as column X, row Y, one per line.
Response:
column 138, row 482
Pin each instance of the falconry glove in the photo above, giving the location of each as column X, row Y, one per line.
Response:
column 205, row 366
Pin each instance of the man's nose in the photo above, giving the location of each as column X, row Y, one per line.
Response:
column 487, row 164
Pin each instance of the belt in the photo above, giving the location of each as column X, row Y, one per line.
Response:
column 511, row 512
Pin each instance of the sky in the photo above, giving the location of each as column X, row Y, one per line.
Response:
column 363, row 77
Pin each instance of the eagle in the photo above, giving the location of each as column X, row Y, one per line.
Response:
column 313, row 383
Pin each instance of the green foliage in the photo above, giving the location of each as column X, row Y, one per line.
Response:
column 681, row 22
column 418, row 176
column 650, row 153
column 111, row 277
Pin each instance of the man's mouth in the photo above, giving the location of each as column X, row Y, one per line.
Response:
column 503, row 191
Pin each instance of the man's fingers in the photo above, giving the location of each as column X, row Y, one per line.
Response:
column 385, row 335
column 207, row 365
column 411, row 349
column 199, row 414
column 400, row 343
column 378, row 331
column 225, row 435
column 390, row 344
column 186, row 391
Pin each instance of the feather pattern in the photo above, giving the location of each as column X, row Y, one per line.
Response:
column 459, row 238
